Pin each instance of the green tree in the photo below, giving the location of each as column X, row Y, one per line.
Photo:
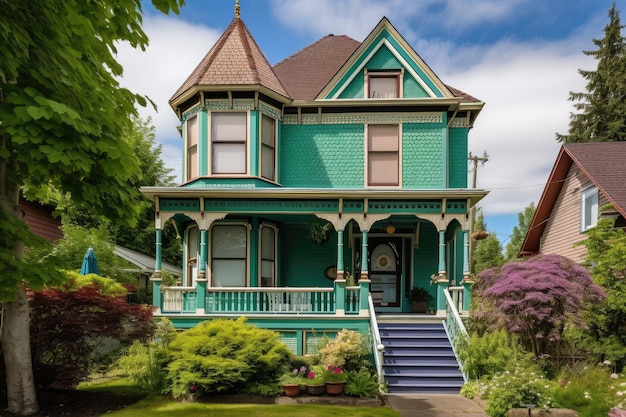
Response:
column 601, row 108
column 606, row 250
column 63, row 114
column 519, row 232
column 487, row 252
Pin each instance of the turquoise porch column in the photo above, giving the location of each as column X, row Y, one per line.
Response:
column 340, row 297
column 466, row 248
column 442, row 252
column 340, row 266
column 158, row 262
column 156, row 277
column 364, row 271
column 364, row 293
column 467, row 293
column 201, row 282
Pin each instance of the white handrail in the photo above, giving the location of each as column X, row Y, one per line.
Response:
column 377, row 345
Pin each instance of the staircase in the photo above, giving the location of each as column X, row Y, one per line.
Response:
column 418, row 358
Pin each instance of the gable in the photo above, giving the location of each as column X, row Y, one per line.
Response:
column 385, row 49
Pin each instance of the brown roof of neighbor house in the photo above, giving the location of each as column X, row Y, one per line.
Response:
column 235, row 59
column 601, row 162
column 305, row 73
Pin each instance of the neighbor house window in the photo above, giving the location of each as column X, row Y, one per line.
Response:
column 589, row 209
column 268, row 256
column 229, row 133
column 268, row 148
column 383, row 84
column 383, row 155
column 229, row 251
column 191, row 132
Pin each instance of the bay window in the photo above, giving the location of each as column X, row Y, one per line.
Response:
column 229, row 133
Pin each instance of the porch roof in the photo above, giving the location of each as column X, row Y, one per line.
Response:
column 471, row 194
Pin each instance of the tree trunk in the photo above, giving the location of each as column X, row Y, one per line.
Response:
column 15, row 338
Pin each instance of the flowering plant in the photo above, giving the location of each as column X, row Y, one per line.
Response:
column 315, row 377
column 334, row 374
column 295, row 377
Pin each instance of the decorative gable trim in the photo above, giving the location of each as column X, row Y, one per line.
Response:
column 384, row 34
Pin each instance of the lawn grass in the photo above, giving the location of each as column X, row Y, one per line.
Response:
column 119, row 385
column 156, row 406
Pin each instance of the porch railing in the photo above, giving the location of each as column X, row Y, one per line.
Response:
column 457, row 294
column 256, row 300
column 454, row 327
column 377, row 344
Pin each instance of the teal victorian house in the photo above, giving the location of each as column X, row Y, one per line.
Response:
column 320, row 191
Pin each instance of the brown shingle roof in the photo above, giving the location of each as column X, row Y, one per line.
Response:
column 461, row 94
column 305, row 73
column 235, row 59
column 601, row 162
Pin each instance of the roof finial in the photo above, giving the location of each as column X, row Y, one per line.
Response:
column 237, row 9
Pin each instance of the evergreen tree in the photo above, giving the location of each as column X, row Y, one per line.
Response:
column 487, row 253
column 601, row 109
column 519, row 232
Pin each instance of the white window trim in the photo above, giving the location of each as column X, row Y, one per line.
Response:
column 366, row 158
column 210, row 254
column 209, row 140
column 587, row 192
column 260, row 257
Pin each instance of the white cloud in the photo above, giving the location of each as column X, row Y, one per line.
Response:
column 176, row 47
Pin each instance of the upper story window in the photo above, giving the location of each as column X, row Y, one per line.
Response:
column 589, row 208
column 383, row 155
column 268, row 148
column 192, row 134
column 383, row 84
column 229, row 133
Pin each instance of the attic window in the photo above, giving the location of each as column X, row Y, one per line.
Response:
column 384, row 84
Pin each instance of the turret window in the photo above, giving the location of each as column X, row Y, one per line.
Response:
column 191, row 134
column 268, row 148
column 229, row 133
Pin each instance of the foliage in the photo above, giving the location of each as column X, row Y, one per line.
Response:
column 420, row 294
column 486, row 253
column 164, row 331
column 107, row 286
column 606, row 250
column 73, row 326
column 491, row 353
column 524, row 219
column 592, row 391
column 333, row 374
column 319, row 230
column 316, row 376
column 601, row 108
column 143, row 364
column 535, row 299
column 361, row 384
column 223, row 355
column 512, row 389
column 295, row 376
column 348, row 350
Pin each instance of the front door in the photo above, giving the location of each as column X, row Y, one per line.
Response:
column 385, row 270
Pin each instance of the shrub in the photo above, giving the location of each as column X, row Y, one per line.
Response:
column 144, row 365
column 491, row 353
column 225, row 355
column 347, row 350
column 361, row 384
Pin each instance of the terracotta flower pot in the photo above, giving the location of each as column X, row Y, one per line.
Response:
column 316, row 389
column 334, row 388
column 291, row 390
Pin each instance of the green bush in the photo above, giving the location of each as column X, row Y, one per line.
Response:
column 144, row 366
column 348, row 350
column 224, row 356
column 361, row 384
column 491, row 353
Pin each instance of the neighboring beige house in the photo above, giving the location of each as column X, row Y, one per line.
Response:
column 585, row 177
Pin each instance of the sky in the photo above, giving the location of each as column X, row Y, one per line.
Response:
column 521, row 57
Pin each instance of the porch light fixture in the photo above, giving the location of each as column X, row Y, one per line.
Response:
column 390, row 228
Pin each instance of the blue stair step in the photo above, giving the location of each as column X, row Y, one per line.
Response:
column 419, row 358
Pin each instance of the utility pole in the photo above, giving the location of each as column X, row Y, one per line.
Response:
column 476, row 159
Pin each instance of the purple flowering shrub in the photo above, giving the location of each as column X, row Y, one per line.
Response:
column 535, row 299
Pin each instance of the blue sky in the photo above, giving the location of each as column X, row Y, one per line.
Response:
column 521, row 57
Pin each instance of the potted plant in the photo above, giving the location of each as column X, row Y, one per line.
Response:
column 315, row 383
column 335, row 380
column 291, row 381
column 419, row 298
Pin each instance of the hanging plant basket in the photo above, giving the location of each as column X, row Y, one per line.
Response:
column 480, row 235
column 319, row 230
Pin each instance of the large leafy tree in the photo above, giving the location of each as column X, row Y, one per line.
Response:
column 63, row 114
column 487, row 252
column 519, row 232
column 601, row 108
column 535, row 299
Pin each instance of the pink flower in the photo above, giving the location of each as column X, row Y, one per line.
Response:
column 193, row 388
column 330, row 368
column 303, row 368
column 311, row 375
column 337, row 370
column 619, row 393
column 614, row 376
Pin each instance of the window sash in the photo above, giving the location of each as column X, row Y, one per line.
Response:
column 268, row 148
column 229, row 255
column 192, row 134
column 229, row 133
column 383, row 86
column 589, row 209
column 268, row 257
column 383, row 155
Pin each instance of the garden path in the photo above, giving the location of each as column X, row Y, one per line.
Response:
column 434, row 405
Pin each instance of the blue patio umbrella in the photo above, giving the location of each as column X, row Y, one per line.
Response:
column 90, row 264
